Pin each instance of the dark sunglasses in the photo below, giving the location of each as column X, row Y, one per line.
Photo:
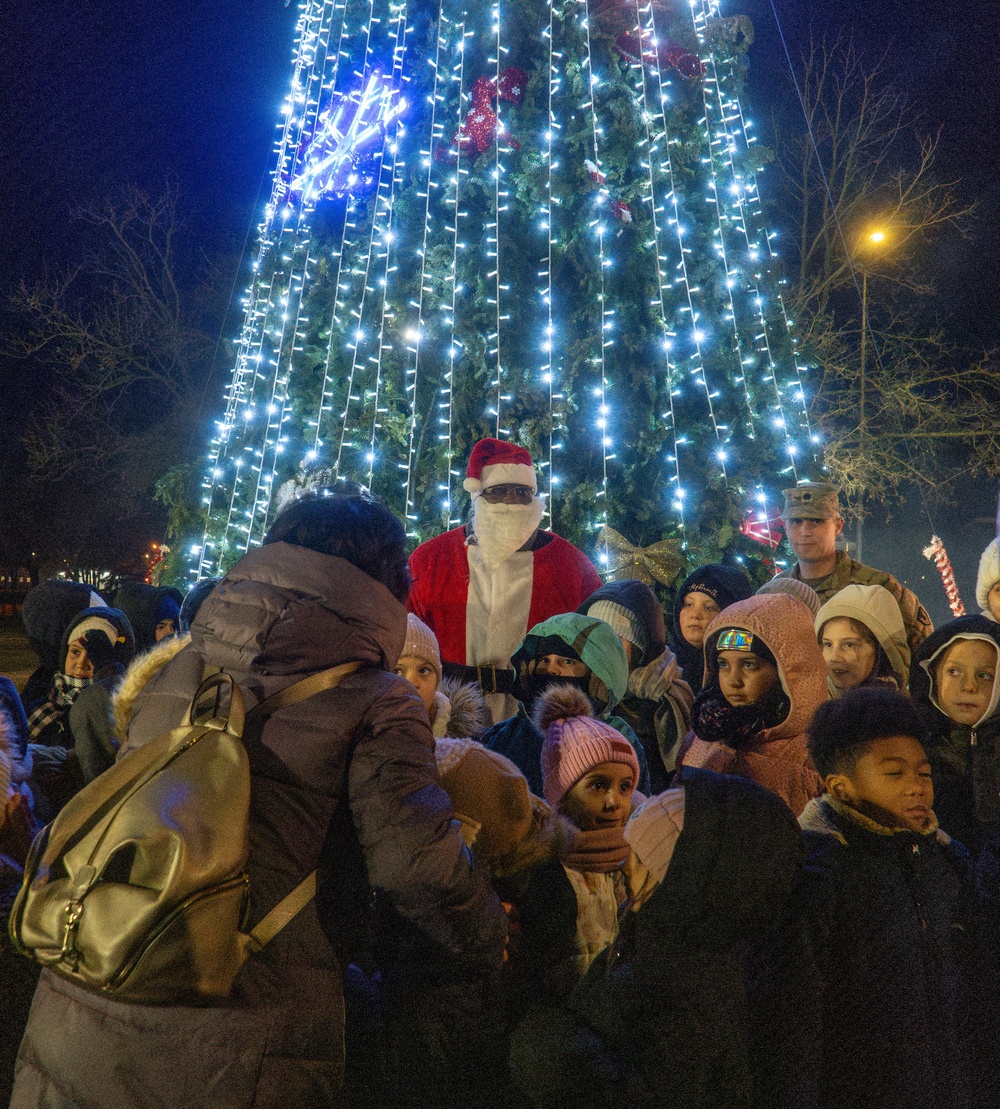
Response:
column 498, row 494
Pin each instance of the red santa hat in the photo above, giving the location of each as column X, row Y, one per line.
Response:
column 494, row 462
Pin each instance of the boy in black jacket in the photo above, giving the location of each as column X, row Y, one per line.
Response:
column 885, row 890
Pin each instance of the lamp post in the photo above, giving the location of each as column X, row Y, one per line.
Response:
column 875, row 238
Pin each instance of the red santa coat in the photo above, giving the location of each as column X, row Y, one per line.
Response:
column 562, row 578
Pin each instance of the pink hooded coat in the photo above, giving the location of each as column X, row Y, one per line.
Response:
column 777, row 757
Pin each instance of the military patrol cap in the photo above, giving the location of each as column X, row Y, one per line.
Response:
column 812, row 500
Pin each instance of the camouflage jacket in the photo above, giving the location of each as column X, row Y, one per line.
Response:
column 848, row 572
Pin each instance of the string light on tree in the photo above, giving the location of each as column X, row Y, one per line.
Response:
column 538, row 220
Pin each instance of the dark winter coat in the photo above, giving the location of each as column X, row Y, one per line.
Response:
column 725, row 585
column 882, row 907
column 349, row 768
column 965, row 760
column 664, row 1017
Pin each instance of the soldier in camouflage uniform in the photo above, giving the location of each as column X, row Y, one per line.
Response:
column 812, row 523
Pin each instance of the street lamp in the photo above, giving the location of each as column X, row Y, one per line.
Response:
column 875, row 239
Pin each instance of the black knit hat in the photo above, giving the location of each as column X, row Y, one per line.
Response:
column 725, row 585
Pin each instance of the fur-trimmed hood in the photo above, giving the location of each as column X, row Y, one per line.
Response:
column 826, row 816
column 461, row 710
column 504, row 824
column 137, row 675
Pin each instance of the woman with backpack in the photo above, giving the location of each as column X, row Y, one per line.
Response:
column 344, row 782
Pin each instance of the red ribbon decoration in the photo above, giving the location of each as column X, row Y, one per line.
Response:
column 668, row 55
column 481, row 128
column 763, row 527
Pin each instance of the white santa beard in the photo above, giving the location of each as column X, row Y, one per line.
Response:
column 502, row 529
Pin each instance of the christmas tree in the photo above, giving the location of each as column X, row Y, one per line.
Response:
column 534, row 219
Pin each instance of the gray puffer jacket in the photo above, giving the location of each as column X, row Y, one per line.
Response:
column 363, row 749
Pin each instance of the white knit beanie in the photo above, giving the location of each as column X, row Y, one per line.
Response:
column 422, row 643
column 989, row 573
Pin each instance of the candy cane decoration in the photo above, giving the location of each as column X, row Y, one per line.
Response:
column 937, row 552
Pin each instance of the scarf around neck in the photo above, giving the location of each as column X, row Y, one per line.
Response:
column 63, row 693
column 600, row 850
column 715, row 720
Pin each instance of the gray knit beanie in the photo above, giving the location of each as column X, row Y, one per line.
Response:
column 794, row 588
column 624, row 621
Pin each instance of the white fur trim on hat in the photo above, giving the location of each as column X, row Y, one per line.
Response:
column 504, row 474
column 989, row 573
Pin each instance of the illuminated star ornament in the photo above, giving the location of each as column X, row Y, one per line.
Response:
column 342, row 154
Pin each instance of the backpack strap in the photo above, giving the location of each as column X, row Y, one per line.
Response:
column 307, row 687
column 291, row 905
column 282, row 913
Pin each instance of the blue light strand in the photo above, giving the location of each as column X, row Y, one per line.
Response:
column 449, row 309
column 411, row 376
column 662, row 281
column 607, row 321
column 387, row 312
column 548, row 344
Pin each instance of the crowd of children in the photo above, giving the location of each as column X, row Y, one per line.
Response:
column 758, row 868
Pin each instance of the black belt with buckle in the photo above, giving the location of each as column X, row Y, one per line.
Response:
column 490, row 679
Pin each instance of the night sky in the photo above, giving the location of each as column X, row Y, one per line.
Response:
column 98, row 93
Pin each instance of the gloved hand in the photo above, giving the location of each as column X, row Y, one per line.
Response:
column 653, row 681
column 101, row 651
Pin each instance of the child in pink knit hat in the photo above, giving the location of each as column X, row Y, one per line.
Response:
column 569, row 909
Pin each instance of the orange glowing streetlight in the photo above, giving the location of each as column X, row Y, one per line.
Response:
column 874, row 240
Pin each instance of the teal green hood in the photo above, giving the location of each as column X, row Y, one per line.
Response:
column 597, row 646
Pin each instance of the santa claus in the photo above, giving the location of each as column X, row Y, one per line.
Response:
column 480, row 587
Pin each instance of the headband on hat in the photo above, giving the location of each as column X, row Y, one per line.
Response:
column 97, row 623
column 735, row 639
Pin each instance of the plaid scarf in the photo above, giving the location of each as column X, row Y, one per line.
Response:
column 63, row 693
